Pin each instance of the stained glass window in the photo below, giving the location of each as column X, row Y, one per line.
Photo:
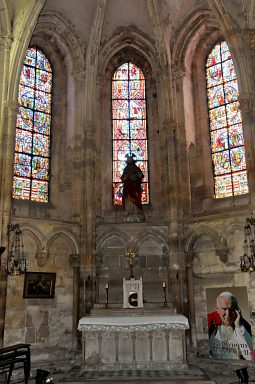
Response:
column 129, row 126
column 226, row 130
column 32, row 147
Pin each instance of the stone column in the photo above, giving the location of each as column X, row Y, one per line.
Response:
column 74, row 261
column 191, row 300
column 6, row 200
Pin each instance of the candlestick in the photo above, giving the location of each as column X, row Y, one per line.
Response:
column 164, row 289
column 106, row 295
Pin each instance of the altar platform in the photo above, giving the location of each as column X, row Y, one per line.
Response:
column 127, row 339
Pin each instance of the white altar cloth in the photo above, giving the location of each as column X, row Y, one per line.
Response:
column 133, row 323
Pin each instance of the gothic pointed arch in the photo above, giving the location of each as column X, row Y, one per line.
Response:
column 127, row 47
column 191, row 51
column 63, row 35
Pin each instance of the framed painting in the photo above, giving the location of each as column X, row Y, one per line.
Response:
column 39, row 285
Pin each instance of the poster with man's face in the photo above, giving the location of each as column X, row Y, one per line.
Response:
column 229, row 330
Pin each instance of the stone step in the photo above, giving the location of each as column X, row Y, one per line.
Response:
column 188, row 376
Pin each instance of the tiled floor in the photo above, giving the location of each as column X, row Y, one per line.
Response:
column 200, row 371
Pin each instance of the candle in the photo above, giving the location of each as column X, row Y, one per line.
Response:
column 164, row 285
column 106, row 286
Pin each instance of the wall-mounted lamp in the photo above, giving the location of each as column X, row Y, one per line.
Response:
column 247, row 260
column 16, row 262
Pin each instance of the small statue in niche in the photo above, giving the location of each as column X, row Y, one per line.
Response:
column 132, row 190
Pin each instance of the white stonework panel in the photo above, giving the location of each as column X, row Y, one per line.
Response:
column 159, row 347
column 125, row 348
column 91, row 348
column 142, row 347
column 108, row 354
column 176, row 347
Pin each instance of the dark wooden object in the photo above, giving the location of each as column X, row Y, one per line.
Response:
column 15, row 357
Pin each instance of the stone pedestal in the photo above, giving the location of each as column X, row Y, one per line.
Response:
column 134, row 341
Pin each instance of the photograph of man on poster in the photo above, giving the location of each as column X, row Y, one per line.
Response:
column 229, row 333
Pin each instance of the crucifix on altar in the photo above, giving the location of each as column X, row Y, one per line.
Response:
column 132, row 288
column 131, row 253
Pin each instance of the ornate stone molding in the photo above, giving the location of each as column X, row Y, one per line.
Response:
column 5, row 42
column 246, row 102
column 99, row 259
column 41, row 257
column 133, row 323
column 250, row 37
column 79, row 75
column 178, row 71
column 75, row 260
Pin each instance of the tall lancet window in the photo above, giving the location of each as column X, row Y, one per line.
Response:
column 32, row 147
column 226, row 130
column 129, row 126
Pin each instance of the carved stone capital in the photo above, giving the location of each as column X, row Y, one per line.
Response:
column 250, row 37
column 99, row 79
column 246, row 102
column 178, row 72
column 222, row 251
column 99, row 259
column 12, row 107
column 79, row 75
column 5, row 42
column 41, row 257
column 75, row 260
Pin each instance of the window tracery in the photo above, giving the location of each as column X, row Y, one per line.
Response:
column 129, row 126
column 225, row 120
column 32, row 145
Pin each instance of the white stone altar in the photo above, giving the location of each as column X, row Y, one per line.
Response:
column 134, row 341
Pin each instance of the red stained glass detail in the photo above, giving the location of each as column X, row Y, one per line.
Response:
column 121, row 129
column 214, row 75
column 26, row 97
column 223, row 186
column 25, row 119
column 40, row 166
column 138, row 129
column 120, row 89
column 120, row 149
column 236, row 136
column 21, row 188
column 218, row 118
column 27, row 76
column 39, row 191
column 43, row 80
column 23, row 141
column 219, row 140
column 120, row 109
column 214, row 57
column 22, row 165
column 237, row 156
column 240, row 183
column 42, row 123
column 227, row 144
column 139, row 148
